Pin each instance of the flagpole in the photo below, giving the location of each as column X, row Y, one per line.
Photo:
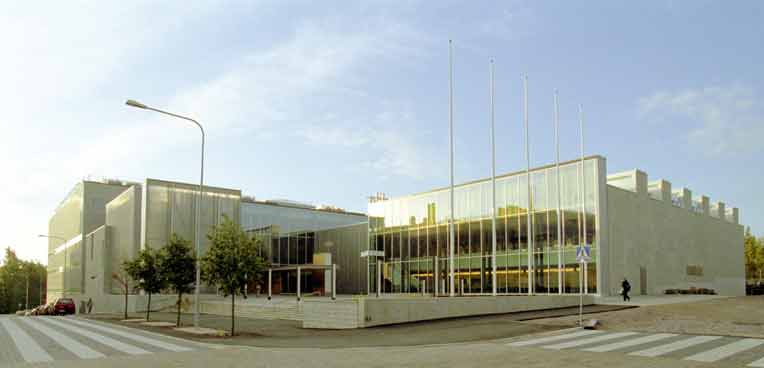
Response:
column 583, row 190
column 493, row 180
column 582, row 264
column 451, row 130
column 529, row 231
column 559, row 200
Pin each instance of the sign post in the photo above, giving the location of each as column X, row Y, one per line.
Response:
column 582, row 256
column 374, row 255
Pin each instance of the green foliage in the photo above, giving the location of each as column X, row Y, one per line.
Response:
column 754, row 256
column 14, row 274
column 232, row 261
column 178, row 268
column 145, row 270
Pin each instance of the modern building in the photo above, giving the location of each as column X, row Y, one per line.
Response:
column 656, row 237
column 100, row 225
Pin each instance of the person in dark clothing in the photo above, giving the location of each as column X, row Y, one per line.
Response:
column 625, row 288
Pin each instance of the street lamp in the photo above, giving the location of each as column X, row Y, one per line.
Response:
column 139, row 105
column 63, row 283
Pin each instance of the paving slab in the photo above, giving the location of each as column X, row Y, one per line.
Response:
column 158, row 324
column 201, row 331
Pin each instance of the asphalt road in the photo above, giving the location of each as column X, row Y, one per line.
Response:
column 64, row 342
column 52, row 340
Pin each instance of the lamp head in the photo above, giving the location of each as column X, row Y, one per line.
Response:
column 134, row 103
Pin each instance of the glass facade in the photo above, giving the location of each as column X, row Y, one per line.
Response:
column 413, row 234
column 294, row 235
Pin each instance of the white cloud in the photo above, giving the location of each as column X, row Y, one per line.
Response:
column 718, row 120
column 510, row 24
column 58, row 128
column 391, row 147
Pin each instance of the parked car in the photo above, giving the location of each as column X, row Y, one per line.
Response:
column 62, row 306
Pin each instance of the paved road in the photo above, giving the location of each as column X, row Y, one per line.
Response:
column 736, row 351
column 52, row 339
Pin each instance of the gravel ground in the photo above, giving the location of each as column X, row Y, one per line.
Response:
column 738, row 316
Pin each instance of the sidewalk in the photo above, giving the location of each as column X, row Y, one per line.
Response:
column 648, row 300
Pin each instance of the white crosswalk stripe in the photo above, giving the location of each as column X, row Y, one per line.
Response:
column 758, row 364
column 29, row 349
column 128, row 335
column 49, row 339
column 554, row 338
column 702, row 348
column 629, row 343
column 726, row 350
column 67, row 342
column 678, row 345
column 591, row 340
column 114, row 344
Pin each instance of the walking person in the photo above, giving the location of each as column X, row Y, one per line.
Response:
column 625, row 288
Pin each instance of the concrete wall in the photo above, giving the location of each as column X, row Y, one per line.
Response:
column 368, row 312
column 123, row 219
column 97, row 281
column 170, row 207
column 345, row 245
column 82, row 212
column 664, row 239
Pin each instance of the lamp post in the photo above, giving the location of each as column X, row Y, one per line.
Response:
column 197, row 242
column 63, row 283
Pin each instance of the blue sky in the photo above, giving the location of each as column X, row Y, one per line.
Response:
column 327, row 102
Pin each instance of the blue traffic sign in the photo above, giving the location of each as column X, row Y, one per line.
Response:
column 583, row 254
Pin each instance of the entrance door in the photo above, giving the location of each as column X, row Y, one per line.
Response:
column 642, row 280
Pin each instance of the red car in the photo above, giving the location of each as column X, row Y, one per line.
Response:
column 63, row 306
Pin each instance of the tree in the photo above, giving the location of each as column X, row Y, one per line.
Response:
column 145, row 270
column 178, row 268
column 759, row 260
column 124, row 281
column 751, row 248
column 232, row 261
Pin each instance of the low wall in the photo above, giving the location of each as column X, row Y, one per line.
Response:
column 277, row 311
column 368, row 312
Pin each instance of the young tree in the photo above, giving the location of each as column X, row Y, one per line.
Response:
column 178, row 267
column 124, row 281
column 760, row 258
column 751, row 249
column 145, row 270
column 232, row 261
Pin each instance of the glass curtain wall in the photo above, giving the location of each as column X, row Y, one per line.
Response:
column 293, row 235
column 413, row 234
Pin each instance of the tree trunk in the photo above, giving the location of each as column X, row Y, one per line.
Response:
column 148, row 308
column 126, row 291
column 180, row 296
column 233, row 305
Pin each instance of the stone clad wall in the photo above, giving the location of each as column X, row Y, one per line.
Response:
column 671, row 247
column 338, row 314
column 368, row 312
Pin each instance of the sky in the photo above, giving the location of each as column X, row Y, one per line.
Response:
column 328, row 102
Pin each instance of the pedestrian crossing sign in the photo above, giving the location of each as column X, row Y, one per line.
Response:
column 583, row 254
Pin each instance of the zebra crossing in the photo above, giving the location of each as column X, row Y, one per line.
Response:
column 748, row 352
column 48, row 339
